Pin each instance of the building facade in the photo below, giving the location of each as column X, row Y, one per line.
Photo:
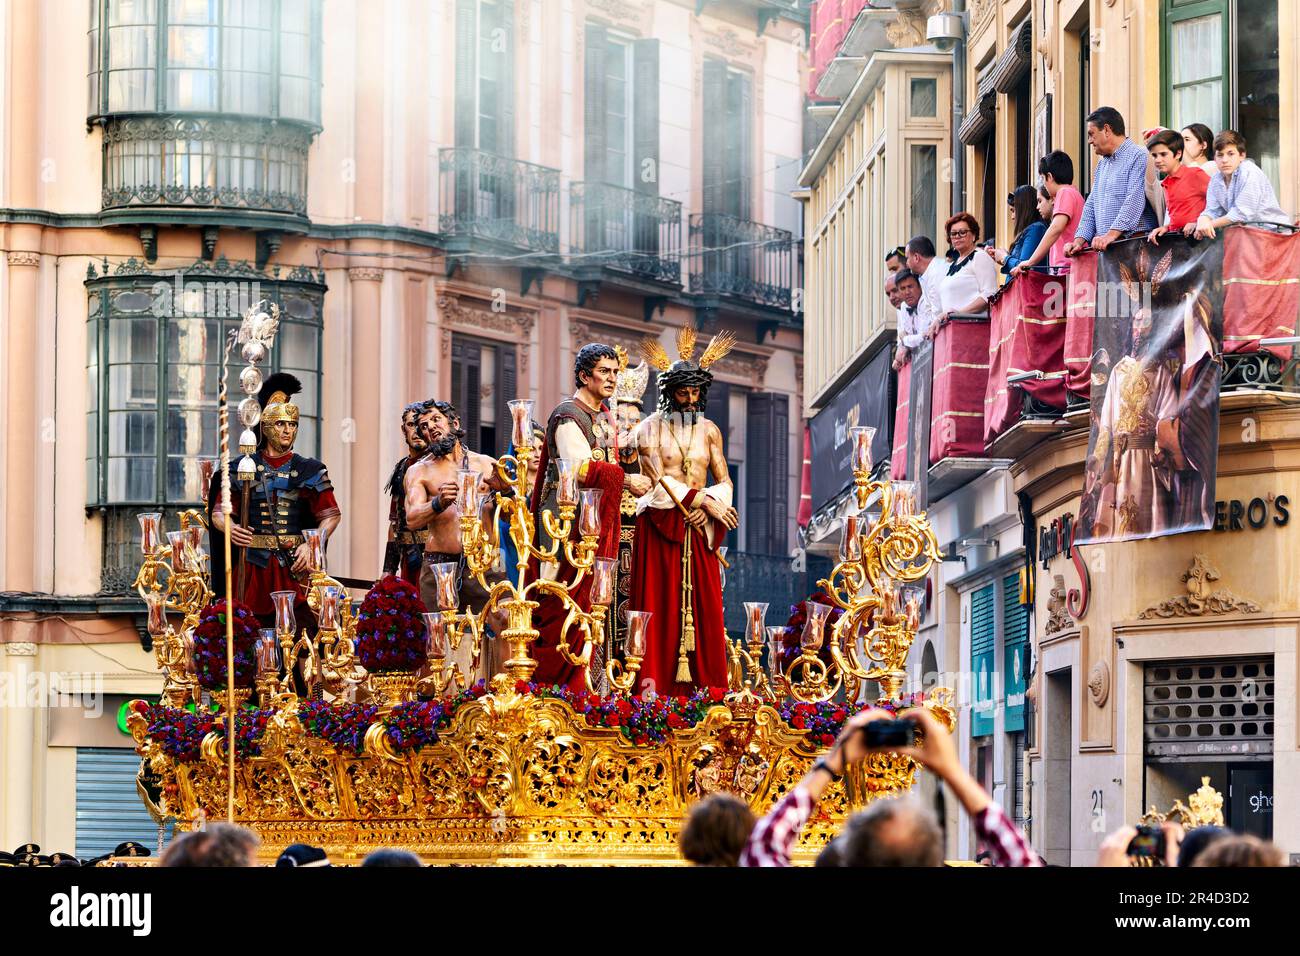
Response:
column 446, row 197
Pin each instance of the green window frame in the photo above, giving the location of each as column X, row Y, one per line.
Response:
column 1174, row 15
column 1015, row 654
column 983, row 665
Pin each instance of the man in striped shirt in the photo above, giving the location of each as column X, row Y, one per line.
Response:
column 893, row 830
column 1239, row 190
column 1118, row 201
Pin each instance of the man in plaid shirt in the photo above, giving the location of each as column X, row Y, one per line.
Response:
column 775, row 834
column 1117, row 203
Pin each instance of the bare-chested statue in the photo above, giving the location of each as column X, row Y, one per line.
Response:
column 431, row 492
column 681, row 522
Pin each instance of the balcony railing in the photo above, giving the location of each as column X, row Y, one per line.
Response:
column 488, row 197
column 628, row 231
column 744, row 259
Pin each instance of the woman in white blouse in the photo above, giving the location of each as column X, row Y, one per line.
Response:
column 973, row 278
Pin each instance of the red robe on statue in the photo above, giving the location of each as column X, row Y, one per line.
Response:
column 657, row 587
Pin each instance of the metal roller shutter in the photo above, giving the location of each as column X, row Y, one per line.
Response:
column 1217, row 709
column 109, row 810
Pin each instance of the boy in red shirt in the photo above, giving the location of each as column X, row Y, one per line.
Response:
column 1185, row 186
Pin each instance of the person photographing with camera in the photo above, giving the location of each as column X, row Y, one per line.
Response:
column 896, row 831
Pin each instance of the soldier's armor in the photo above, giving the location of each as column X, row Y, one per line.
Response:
column 277, row 505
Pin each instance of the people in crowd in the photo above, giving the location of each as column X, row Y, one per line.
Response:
column 1118, row 202
column 218, row 844
column 1241, row 850
column 392, row 858
column 1057, row 170
column 895, row 259
column 912, row 325
column 891, row 832
column 716, row 831
column 1184, row 186
column 1196, row 841
column 1155, row 195
column 1198, row 147
column 930, row 270
column 1030, row 227
column 972, row 279
column 300, row 854
column 1239, row 190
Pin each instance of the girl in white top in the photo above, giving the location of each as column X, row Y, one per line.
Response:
column 973, row 278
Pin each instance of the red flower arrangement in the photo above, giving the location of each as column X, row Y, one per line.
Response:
column 210, row 646
column 790, row 644
column 390, row 633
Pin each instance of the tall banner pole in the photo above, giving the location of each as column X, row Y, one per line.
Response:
column 230, row 596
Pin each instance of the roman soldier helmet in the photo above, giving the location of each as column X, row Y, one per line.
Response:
column 274, row 398
column 684, row 373
column 631, row 382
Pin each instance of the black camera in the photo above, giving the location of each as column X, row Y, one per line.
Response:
column 900, row 732
column 1149, row 842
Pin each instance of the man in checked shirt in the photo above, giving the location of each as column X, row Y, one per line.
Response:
column 891, row 832
column 1117, row 204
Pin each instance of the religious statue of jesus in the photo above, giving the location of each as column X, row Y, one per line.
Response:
column 680, row 524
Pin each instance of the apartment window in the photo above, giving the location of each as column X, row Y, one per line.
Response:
column 1083, row 166
column 216, row 56
column 767, row 478
column 923, row 169
column 485, row 75
column 924, row 97
column 483, row 380
column 728, row 140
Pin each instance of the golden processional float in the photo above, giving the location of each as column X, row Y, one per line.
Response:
column 354, row 733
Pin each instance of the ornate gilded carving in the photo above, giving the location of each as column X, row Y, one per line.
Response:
column 1201, row 597
column 1099, row 683
column 1204, row 808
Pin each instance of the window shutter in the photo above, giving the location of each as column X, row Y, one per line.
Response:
column 507, row 390
column 506, row 113
column 739, row 171
column 593, row 104
column 779, row 483
column 466, row 73
column 714, row 134
column 466, row 378
column 983, row 625
column 645, row 122
column 767, row 466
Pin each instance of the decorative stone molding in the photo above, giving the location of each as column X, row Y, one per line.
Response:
column 746, row 366
column 727, row 42
column 981, row 10
column 1099, row 683
column 798, row 374
column 21, row 649
column 366, row 274
column 1201, row 597
column 476, row 318
column 627, row 14
column 446, row 343
column 1058, row 617
column 584, row 332
column 907, row 30
column 1047, row 38
column 24, row 258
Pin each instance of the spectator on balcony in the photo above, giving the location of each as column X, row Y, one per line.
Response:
column 1184, row 186
column 1118, row 201
column 929, row 271
column 1028, row 219
column 1198, row 147
column 911, row 330
column 972, row 279
column 1057, row 170
column 896, row 259
column 1239, row 190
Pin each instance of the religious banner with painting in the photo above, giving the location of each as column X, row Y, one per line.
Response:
column 1156, row 365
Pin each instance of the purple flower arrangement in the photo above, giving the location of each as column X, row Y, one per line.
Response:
column 180, row 733
column 343, row 725
column 390, row 633
column 210, row 646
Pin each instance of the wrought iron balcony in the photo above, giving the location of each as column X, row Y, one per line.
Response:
column 770, row 579
column 743, row 259
column 627, row 231
column 194, row 162
column 487, row 197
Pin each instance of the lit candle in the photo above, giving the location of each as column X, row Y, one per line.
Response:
column 861, row 436
column 602, row 581
column 566, row 486
column 589, row 515
column 755, row 615
column 634, row 642
column 285, row 622
column 315, row 539
column 156, row 603
column 851, row 539
column 149, row 522
column 436, row 627
column 521, row 419
column 444, row 578
column 814, row 628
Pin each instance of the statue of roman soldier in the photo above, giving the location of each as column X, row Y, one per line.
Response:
column 404, row 553
column 681, row 522
column 289, row 494
column 581, row 429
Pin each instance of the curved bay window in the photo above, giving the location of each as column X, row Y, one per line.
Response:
column 153, row 368
column 233, row 87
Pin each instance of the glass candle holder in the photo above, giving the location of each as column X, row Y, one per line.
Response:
column 566, row 484
column 157, row 605
column 589, row 512
column 814, row 628
column 912, row 597
column 207, row 468
column 436, row 629
column 330, row 599
column 467, row 494
column 187, row 651
column 521, row 422
column 268, row 652
column 149, row 523
column 176, row 542
column 862, row 436
column 905, row 499
column 194, row 543
column 315, row 539
column 634, row 640
column 851, row 539
column 444, row 578
column 285, row 622
column 602, row 581
column 755, row 616
column 775, row 648
column 888, row 598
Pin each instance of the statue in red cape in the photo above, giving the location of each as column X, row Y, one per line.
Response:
column 676, row 573
column 581, row 429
